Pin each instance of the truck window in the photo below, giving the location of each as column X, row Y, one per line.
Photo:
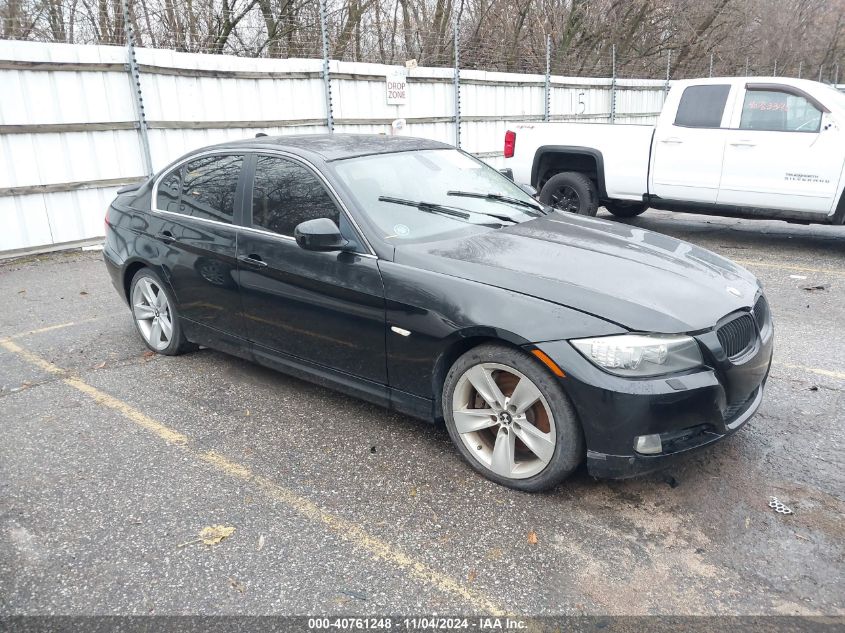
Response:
column 702, row 106
column 777, row 111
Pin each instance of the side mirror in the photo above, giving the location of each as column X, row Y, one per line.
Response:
column 507, row 172
column 320, row 234
column 531, row 191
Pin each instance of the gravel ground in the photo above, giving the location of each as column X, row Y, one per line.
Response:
column 111, row 465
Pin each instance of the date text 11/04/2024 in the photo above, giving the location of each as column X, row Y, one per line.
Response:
column 418, row 624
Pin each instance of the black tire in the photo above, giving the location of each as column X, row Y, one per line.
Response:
column 177, row 343
column 626, row 209
column 559, row 190
column 569, row 449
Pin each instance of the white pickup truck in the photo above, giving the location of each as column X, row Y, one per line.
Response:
column 744, row 147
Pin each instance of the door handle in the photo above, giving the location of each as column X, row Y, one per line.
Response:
column 166, row 237
column 252, row 260
column 743, row 144
column 673, row 139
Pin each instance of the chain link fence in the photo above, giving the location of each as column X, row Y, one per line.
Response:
column 372, row 31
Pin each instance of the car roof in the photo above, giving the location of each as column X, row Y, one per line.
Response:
column 331, row 147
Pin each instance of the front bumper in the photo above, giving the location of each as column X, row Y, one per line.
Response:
column 675, row 446
column 688, row 411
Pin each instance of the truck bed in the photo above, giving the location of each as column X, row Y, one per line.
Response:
column 623, row 149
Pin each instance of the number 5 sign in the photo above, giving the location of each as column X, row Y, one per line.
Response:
column 397, row 86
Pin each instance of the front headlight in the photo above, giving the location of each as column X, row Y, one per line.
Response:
column 641, row 354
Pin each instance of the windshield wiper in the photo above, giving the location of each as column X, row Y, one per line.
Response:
column 498, row 198
column 431, row 207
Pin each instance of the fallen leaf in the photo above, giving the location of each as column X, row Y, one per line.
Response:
column 260, row 543
column 100, row 366
column 20, row 292
column 236, row 585
column 814, row 288
column 814, row 388
column 149, row 354
column 472, row 575
column 412, row 492
column 213, row 534
column 532, row 538
column 247, row 412
column 83, row 292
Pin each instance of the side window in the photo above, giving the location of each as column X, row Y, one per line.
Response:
column 208, row 187
column 286, row 193
column 777, row 111
column 702, row 106
column 167, row 196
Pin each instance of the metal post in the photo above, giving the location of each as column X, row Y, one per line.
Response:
column 548, row 95
column 746, row 67
column 775, row 71
column 327, row 81
column 836, row 76
column 711, row 65
column 613, row 87
column 668, row 72
column 135, row 87
column 800, row 69
column 821, row 68
column 457, row 84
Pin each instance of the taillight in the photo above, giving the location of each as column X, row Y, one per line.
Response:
column 510, row 143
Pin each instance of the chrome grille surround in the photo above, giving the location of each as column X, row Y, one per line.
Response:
column 762, row 316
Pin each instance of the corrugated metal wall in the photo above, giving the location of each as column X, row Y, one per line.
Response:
column 68, row 123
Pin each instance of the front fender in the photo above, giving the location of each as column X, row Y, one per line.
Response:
column 437, row 314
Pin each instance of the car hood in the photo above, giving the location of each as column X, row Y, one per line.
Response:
column 641, row 280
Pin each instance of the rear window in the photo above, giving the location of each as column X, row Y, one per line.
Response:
column 702, row 106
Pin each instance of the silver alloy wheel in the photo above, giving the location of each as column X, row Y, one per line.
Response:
column 504, row 420
column 152, row 313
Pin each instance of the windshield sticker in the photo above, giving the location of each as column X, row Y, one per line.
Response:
column 401, row 230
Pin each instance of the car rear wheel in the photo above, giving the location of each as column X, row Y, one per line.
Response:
column 155, row 316
column 626, row 209
column 572, row 192
column 510, row 419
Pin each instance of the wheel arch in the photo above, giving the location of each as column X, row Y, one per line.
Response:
column 839, row 213
column 131, row 269
column 554, row 159
column 458, row 345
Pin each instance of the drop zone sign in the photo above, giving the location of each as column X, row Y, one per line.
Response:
column 397, row 86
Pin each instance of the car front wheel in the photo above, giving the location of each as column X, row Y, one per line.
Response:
column 510, row 419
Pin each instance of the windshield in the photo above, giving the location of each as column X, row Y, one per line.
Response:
column 440, row 179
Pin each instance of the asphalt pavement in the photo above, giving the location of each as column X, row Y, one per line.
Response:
column 113, row 460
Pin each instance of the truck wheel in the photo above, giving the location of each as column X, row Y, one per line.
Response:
column 571, row 191
column 626, row 209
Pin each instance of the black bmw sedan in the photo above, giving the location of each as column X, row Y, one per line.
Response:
column 411, row 274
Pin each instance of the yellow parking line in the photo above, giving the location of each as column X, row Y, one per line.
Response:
column 346, row 529
column 813, row 370
column 782, row 266
column 49, row 328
